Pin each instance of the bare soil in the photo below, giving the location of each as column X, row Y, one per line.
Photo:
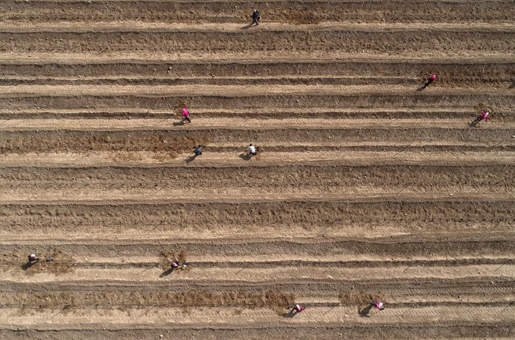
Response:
column 366, row 186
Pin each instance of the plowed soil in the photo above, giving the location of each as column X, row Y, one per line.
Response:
column 366, row 186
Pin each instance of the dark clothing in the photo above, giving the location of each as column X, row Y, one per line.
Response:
column 429, row 81
column 187, row 118
column 477, row 120
column 255, row 17
column 197, row 151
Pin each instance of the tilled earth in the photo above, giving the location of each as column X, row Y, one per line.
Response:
column 366, row 186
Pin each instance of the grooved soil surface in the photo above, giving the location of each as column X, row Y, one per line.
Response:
column 366, row 185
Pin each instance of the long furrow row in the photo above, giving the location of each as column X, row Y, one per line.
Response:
column 472, row 73
column 288, row 12
column 221, row 43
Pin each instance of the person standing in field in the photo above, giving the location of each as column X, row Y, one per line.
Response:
column 255, row 17
column 198, row 151
column 482, row 116
column 251, row 150
column 429, row 80
column 296, row 309
column 378, row 305
column 33, row 258
column 185, row 115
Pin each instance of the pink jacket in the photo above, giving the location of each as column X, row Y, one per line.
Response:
column 433, row 76
column 299, row 308
column 185, row 113
column 485, row 115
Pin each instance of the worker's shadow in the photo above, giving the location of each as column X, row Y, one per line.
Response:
column 246, row 27
column 27, row 265
column 245, row 156
column 166, row 273
column 180, row 123
column 474, row 123
column 365, row 312
column 191, row 159
column 290, row 314
column 422, row 88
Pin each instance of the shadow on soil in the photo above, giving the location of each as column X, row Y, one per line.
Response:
column 290, row 314
column 191, row 159
column 28, row 265
column 166, row 272
column 245, row 156
column 365, row 312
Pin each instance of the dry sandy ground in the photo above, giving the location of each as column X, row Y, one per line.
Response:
column 366, row 186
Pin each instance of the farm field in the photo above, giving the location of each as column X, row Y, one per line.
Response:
column 365, row 186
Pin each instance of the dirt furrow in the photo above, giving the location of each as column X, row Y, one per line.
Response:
column 175, row 141
column 402, row 329
column 406, row 293
column 97, row 296
column 250, row 196
column 469, row 73
column 365, row 218
column 291, row 12
column 426, row 177
column 269, row 43
column 261, row 275
column 239, row 91
column 327, row 290
column 376, row 99
column 131, row 26
column 231, row 151
column 358, row 156
column 201, row 124
column 450, row 245
column 170, row 115
column 263, row 113
column 84, row 193
column 264, row 263
column 248, row 81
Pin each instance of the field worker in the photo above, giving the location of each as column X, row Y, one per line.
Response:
column 431, row 79
column 175, row 265
column 185, row 115
column 378, row 304
column 252, row 150
column 255, row 17
column 483, row 116
column 198, row 150
column 297, row 308
column 33, row 258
